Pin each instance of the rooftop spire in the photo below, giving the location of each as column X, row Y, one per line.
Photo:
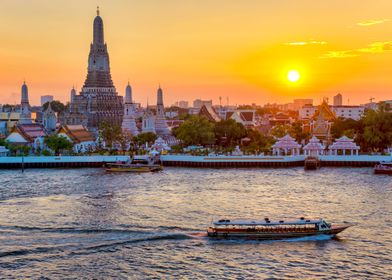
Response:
column 98, row 29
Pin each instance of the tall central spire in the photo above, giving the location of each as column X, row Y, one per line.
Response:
column 98, row 30
column 98, row 61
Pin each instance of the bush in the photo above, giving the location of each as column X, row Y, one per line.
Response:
column 46, row 153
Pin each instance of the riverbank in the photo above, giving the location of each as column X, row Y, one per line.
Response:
column 191, row 161
column 60, row 161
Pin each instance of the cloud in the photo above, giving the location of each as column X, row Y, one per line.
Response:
column 372, row 22
column 304, row 43
column 373, row 48
column 377, row 47
column 340, row 54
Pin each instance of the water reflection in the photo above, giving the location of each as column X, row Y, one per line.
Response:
column 84, row 223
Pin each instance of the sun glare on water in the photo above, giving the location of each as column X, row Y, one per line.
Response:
column 293, row 76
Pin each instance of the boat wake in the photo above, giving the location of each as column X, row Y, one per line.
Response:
column 79, row 249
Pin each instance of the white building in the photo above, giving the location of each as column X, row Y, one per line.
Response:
column 79, row 136
column 182, row 104
column 307, row 112
column 349, row 112
column 198, row 103
column 346, row 112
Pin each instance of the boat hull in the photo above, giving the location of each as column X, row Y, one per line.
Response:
column 136, row 169
column 383, row 171
column 221, row 233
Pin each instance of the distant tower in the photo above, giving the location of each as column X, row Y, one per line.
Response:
column 160, row 120
column 50, row 119
column 25, row 113
column 129, row 123
column 148, row 121
column 338, row 100
column 73, row 94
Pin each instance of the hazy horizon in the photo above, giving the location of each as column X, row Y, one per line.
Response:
column 201, row 49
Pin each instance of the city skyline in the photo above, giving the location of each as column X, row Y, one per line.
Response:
column 202, row 50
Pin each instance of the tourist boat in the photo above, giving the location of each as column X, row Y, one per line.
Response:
column 267, row 229
column 139, row 165
column 383, row 167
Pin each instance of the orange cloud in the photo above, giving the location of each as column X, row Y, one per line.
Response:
column 372, row 22
column 376, row 47
column 304, row 43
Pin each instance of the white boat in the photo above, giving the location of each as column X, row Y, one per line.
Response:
column 267, row 229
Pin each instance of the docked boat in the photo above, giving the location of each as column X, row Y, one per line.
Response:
column 135, row 165
column 267, row 229
column 121, row 167
column 383, row 167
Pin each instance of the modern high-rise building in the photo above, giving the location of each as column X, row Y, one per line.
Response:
column 198, row 103
column 98, row 100
column 46, row 98
column 338, row 100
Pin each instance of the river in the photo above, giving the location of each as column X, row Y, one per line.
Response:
column 84, row 223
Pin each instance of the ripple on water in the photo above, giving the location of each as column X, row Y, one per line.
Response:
column 83, row 223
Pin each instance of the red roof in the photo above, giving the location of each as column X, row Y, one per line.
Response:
column 30, row 131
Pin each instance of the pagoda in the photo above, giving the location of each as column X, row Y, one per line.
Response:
column 321, row 123
column 129, row 122
column 25, row 112
column 98, row 100
column 161, row 127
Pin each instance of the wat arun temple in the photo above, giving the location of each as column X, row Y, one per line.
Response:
column 98, row 100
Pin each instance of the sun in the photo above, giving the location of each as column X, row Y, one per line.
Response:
column 293, row 76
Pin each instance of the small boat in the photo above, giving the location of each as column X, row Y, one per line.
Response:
column 124, row 167
column 267, row 229
column 134, row 165
column 384, row 167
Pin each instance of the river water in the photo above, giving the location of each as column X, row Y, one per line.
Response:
column 83, row 223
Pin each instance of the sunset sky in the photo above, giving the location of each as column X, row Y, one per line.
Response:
column 242, row 50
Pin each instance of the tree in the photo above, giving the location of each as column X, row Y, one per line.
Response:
column 347, row 127
column 125, row 140
column 258, row 142
column 280, row 130
column 110, row 133
column 196, row 130
column 18, row 149
column 229, row 132
column 297, row 132
column 56, row 105
column 3, row 142
column 58, row 143
column 377, row 132
column 145, row 137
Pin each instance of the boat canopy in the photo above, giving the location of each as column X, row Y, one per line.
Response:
column 265, row 222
